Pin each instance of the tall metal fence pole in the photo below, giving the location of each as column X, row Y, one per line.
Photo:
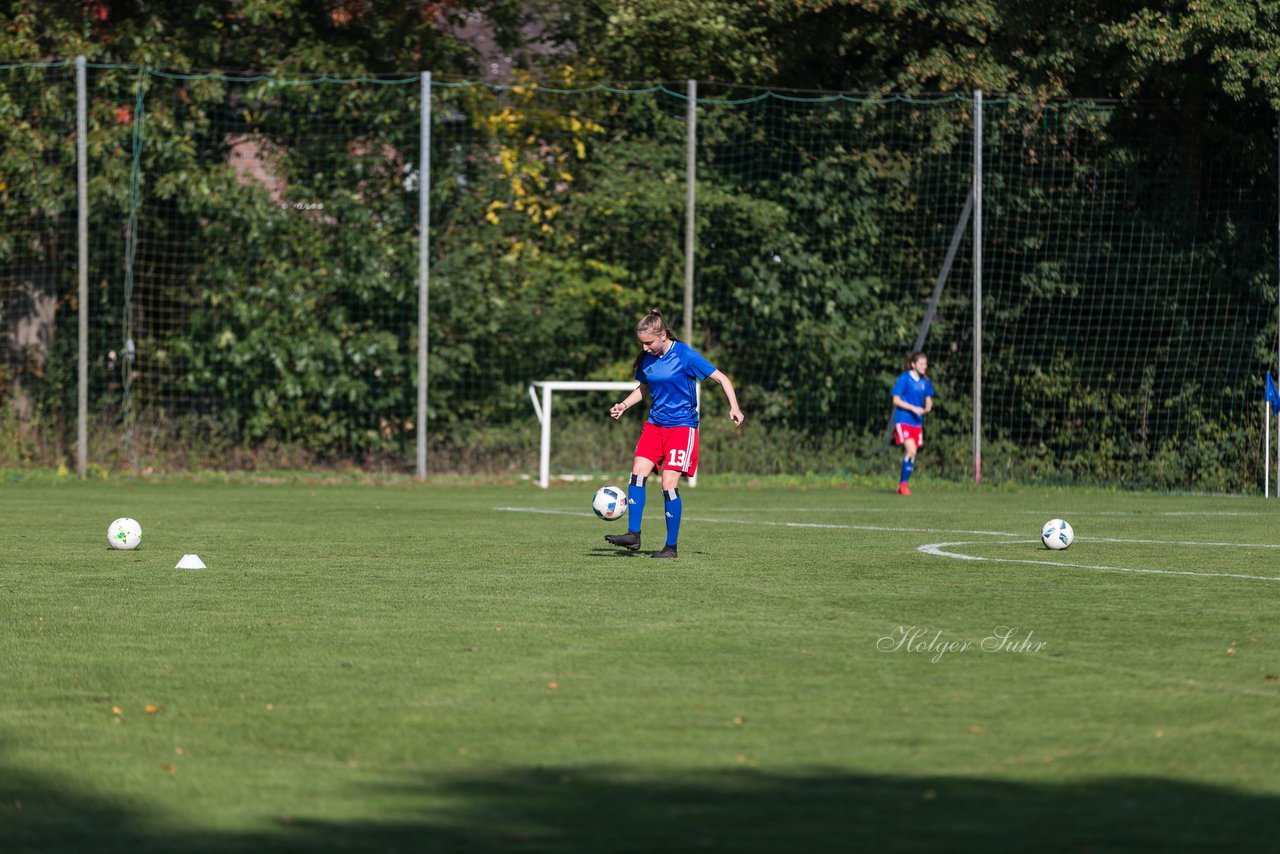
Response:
column 691, row 175
column 424, row 268
column 977, row 286
column 82, row 272
column 128, row 411
column 1277, row 303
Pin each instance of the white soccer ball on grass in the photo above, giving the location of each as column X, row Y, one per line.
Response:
column 1057, row 534
column 609, row 503
column 124, row 533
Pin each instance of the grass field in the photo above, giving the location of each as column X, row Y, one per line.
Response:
column 410, row 667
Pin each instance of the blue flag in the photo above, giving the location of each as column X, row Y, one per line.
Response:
column 1273, row 396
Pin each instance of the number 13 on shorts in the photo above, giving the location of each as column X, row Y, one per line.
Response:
column 673, row 448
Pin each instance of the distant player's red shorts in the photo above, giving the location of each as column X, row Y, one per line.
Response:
column 903, row 432
column 672, row 448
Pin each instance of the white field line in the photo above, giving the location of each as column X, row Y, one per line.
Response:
column 757, row 523
column 894, row 529
column 1059, row 513
column 1183, row 543
column 939, row 550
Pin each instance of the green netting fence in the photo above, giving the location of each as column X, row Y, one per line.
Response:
column 255, row 278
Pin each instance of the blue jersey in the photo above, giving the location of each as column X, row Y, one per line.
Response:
column 913, row 389
column 672, row 379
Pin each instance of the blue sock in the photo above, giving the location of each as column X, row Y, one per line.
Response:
column 635, row 503
column 908, row 466
column 674, row 508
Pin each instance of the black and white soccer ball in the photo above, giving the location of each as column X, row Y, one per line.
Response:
column 609, row 503
column 1057, row 534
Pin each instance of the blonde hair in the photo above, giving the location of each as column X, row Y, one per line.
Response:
column 652, row 323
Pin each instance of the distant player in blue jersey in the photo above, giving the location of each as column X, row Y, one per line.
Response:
column 669, row 371
column 912, row 400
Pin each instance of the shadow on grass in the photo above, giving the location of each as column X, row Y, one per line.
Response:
column 613, row 551
column 610, row 809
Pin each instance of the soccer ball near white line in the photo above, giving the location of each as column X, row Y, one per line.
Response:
column 609, row 503
column 1057, row 534
column 124, row 533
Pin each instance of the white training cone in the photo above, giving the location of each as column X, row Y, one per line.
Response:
column 190, row 562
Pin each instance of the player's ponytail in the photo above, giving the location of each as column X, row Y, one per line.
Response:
column 654, row 324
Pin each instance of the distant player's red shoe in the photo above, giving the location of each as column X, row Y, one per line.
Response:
column 903, row 489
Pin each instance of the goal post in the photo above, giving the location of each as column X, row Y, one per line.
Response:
column 542, row 392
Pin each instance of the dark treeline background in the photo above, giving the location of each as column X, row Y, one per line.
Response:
column 1191, row 51
column 1126, row 342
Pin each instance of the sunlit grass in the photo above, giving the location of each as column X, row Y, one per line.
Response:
column 399, row 665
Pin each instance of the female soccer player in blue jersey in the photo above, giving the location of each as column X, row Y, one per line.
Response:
column 912, row 400
column 668, row 370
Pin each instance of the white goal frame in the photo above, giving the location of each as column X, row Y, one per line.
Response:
column 542, row 408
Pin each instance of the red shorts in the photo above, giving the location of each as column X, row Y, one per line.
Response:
column 673, row 448
column 903, row 432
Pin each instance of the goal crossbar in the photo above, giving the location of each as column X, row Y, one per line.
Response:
column 541, row 394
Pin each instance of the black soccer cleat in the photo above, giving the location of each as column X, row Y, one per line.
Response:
column 667, row 551
column 629, row 540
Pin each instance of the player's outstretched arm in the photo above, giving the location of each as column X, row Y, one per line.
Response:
column 735, row 412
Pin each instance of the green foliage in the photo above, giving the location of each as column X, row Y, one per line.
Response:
column 1232, row 48
column 1166, row 50
column 280, row 306
column 670, row 39
column 284, row 37
column 289, row 350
